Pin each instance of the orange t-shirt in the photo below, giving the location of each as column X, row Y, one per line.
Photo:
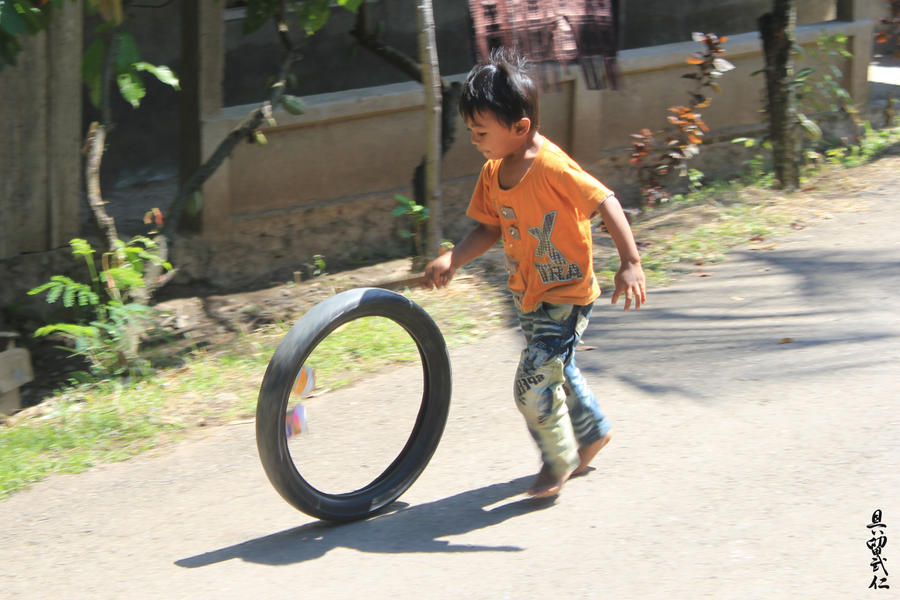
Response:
column 546, row 228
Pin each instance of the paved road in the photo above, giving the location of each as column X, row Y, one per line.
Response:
column 741, row 467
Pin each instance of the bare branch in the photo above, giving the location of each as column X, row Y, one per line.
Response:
column 96, row 140
column 370, row 42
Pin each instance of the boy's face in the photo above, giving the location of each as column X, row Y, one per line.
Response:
column 495, row 139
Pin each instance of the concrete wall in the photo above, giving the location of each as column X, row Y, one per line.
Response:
column 326, row 180
column 40, row 176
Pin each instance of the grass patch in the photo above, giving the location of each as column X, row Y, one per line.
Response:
column 719, row 226
column 107, row 423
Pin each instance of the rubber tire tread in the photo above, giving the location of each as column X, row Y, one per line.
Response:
column 274, row 394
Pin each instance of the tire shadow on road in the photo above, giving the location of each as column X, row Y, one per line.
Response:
column 401, row 528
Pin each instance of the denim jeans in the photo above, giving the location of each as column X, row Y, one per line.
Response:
column 550, row 391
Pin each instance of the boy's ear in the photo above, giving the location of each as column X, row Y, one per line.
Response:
column 522, row 126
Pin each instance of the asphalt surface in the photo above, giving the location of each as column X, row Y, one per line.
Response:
column 756, row 429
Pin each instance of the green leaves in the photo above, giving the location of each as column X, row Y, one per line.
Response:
column 111, row 340
column 810, row 127
column 258, row 12
column 130, row 84
column 81, row 248
column 163, row 73
column 70, row 330
column 18, row 18
column 127, row 52
column 127, row 65
column 70, row 291
column 92, row 70
column 11, row 20
column 818, row 89
column 293, row 104
column 311, row 15
column 410, row 208
column 132, row 88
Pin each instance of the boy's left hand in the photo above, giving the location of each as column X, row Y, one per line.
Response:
column 630, row 281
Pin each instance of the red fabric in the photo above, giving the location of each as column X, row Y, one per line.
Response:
column 550, row 32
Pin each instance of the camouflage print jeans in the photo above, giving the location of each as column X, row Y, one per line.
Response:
column 559, row 408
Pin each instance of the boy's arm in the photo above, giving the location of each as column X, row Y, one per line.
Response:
column 629, row 278
column 440, row 271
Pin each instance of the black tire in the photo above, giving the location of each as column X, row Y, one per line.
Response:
column 291, row 354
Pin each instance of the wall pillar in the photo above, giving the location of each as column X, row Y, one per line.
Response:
column 64, row 136
column 584, row 127
column 203, row 71
column 860, row 43
column 40, row 123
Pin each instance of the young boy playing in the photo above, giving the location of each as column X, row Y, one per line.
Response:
column 540, row 202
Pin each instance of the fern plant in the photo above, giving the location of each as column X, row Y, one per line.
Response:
column 110, row 337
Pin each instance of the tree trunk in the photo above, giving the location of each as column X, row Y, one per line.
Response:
column 431, row 80
column 777, row 30
column 450, row 93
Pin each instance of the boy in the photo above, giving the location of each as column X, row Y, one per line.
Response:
column 540, row 202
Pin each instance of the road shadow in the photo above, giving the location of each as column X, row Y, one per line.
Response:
column 768, row 316
column 402, row 529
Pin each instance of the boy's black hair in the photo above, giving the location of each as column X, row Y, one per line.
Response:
column 502, row 86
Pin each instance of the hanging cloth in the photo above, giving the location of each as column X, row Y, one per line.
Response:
column 551, row 33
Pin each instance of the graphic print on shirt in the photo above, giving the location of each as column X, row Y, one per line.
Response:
column 559, row 268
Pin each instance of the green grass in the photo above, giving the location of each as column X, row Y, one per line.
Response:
column 106, row 425
column 672, row 254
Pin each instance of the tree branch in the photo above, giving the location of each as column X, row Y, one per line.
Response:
column 390, row 54
column 96, row 140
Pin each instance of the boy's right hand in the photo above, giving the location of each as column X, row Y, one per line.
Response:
column 439, row 272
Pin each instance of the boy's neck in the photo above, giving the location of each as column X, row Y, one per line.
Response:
column 529, row 149
column 514, row 166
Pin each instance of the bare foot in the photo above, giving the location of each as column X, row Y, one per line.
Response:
column 546, row 484
column 588, row 453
